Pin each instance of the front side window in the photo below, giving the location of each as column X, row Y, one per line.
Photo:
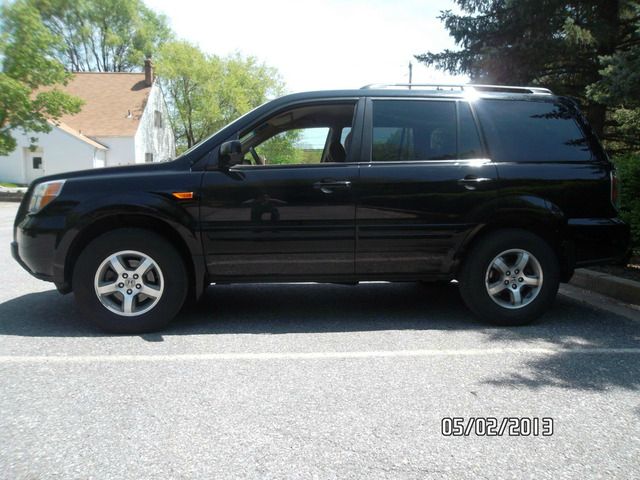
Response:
column 298, row 146
column 532, row 131
column 405, row 130
column 304, row 135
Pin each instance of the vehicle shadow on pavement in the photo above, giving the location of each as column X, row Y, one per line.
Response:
column 308, row 308
column 264, row 309
column 571, row 325
column 320, row 308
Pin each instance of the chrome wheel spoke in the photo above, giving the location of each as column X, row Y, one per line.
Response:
column 531, row 281
column 499, row 264
column 496, row 288
column 144, row 267
column 521, row 261
column 516, row 298
column 150, row 291
column 127, row 304
column 116, row 265
column 107, row 289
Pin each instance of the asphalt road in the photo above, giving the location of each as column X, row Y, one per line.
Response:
column 311, row 381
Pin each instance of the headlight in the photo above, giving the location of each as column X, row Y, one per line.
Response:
column 44, row 193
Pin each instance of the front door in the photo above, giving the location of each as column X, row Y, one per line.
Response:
column 427, row 186
column 287, row 212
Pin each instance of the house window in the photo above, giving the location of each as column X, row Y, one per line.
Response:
column 37, row 162
column 157, row 119
column 148, row 157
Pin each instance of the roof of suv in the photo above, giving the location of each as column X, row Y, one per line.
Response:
column 450, row 91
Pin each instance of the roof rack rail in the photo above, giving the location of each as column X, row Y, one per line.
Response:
column 462, row 87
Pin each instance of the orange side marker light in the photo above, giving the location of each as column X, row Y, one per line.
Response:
column 183, row 195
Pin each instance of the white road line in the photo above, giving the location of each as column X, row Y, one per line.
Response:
column 312, row 355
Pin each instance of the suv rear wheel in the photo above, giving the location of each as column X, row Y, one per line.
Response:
column 510, row 277
column 130, row 281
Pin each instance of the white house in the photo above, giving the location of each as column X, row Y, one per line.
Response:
column 123, row 121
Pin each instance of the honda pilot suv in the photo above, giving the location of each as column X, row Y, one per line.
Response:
column 504, row 189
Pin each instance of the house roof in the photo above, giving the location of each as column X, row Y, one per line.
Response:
column 114, row 103
column 66, row 128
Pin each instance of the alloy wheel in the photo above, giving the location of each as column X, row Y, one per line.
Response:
column 129, row 283
column 514, row 278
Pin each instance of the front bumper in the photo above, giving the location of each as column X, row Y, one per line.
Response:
column 15, row 253
column 37, row 265
column 35, row 246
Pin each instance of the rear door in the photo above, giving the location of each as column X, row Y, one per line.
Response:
column 427, row 186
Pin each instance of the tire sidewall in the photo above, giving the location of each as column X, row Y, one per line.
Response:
column 169, row 261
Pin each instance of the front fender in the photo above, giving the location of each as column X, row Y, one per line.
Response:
column 180, row 216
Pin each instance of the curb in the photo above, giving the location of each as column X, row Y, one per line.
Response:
column 627, row 291
column 11, row 197
column 14, row 194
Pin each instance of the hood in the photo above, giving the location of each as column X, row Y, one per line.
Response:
column 100, row 172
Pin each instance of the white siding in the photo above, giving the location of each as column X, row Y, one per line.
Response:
column 61, row 152
column 152, row 139
column 121, row 150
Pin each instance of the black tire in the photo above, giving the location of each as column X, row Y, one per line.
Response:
column 474, row 271
column 174, row 274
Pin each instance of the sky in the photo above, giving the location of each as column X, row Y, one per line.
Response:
column 321, row 44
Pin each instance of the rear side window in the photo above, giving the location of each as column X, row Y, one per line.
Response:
column 413, row 130
column 532, row 131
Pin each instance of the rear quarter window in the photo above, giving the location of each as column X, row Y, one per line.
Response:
column 532, row 131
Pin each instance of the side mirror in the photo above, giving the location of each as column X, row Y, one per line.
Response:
column 230, row 154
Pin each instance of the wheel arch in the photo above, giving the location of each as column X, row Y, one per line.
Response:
column 104, row 224
column 546, row 226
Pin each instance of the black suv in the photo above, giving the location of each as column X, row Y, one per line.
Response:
column 504, row 189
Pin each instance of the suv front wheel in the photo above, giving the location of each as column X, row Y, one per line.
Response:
column 130, row 281
column 510, row 277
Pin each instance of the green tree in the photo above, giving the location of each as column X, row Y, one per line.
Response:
column 556, row 43
column 619, row 85
column 282, row 148
column 103, row 35
column 30, row 73
column 205, row 92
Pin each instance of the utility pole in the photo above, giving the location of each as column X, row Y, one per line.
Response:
column 410, row 74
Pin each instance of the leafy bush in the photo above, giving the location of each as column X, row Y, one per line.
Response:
column 628, row 168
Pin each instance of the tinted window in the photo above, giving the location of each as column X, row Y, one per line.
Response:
column 531, row 131
column 413, row 130
column 294, row 147
column 300, row 135
column 469, row 145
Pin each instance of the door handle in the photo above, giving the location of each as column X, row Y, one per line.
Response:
column 471, row 182
column 328, row 186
